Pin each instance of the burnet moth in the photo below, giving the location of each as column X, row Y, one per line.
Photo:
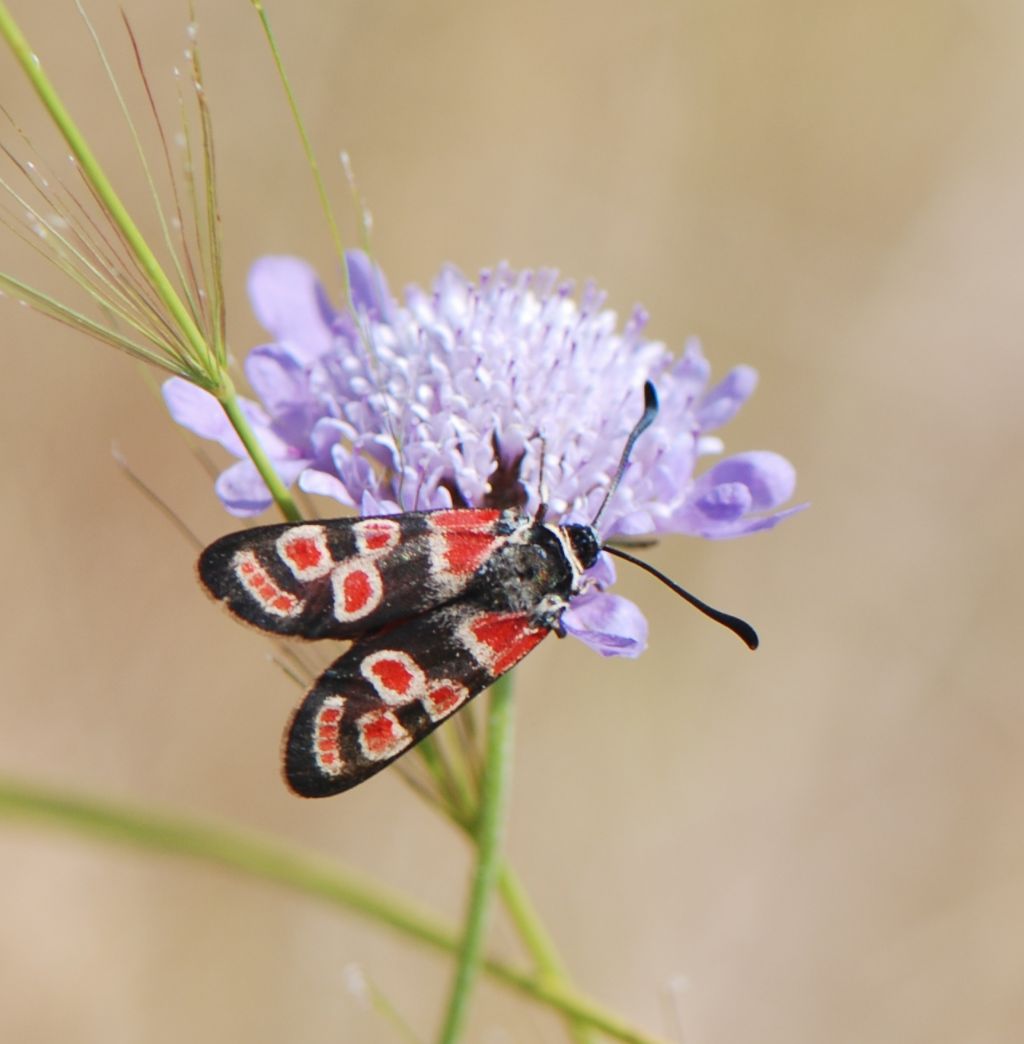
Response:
column 437, row 604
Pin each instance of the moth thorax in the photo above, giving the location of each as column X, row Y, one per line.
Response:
column 584, row 543
column 519, row 575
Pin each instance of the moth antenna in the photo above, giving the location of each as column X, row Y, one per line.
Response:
column 645, row 421
column 739, row 627
column 633, row 543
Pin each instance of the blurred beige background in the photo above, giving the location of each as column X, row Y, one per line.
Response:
column 823, row 839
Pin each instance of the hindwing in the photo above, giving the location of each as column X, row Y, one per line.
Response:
column 390, row 690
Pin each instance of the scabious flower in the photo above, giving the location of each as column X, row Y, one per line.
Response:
column 460, row 395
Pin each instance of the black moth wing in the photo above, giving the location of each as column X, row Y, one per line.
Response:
column 342, row 578
column 392, row 689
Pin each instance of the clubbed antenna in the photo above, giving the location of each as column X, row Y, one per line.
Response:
column 645, row 421
column 739, row 627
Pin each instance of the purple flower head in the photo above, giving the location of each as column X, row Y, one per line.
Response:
column 454, row 397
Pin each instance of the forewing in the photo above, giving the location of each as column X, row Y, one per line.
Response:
column 346, row 577
column 391, row 690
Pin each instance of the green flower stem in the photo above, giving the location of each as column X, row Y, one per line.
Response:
column 309, row 875
column 531, row 929
column 278, row 490
column 233, row 848
column 489, row 831
column 538, row 941
column 462, row 806
column 209, row 369
column 535, row 937
column 104, row 190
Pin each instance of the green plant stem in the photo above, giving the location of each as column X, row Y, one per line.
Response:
column 209, row 371
column 309, row 875
column 278, row 490
column 307, row 145
column 488, row 834
column 538, row 942
column 535, row 937
column 104, row 190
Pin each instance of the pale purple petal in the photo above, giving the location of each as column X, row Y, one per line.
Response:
column 313, row 480
column 327, row 433
column 690, row 374
column 721, row 404
column 290, row 304
column 282, row 383
column 636, row 523
column 370, row 505
column 756, row 523
column 602, row 572
column 201, row 413
column 278, row 377
column 244, row 493
column 370, row 292
column 723, row 501
column 770, row 478
column 609, row 624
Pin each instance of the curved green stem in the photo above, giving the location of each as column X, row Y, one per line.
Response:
column 309, row 875
column 259, row 857
column 257, row 454
column 489, row 832
column 538, row 941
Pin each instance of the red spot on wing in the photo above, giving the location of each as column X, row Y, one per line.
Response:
column 258, row 582
column 374, row 535
column 382, row 734
column 326, row 733
column 394, row 675
column 379, row 733
column 468, row 535
column 444, row 697
column 358, row 590
column 304, row 550
column 304, row 553
column 506, row 638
